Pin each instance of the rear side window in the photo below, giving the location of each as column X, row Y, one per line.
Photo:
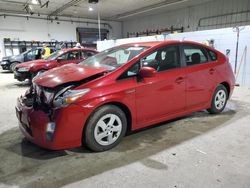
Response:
column 194, row 55
column 212, row 55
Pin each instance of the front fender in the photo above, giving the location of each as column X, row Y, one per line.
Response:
column 124, row 99
column 35, row 69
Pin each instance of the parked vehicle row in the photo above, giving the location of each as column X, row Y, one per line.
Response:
column 97, row 101
column 30, row 69
column 10, row 62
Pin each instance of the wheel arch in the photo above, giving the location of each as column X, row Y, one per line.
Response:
column 126, row 111
column 227, row 86
column 120, row 105
column 12, row 63
column 15, row 62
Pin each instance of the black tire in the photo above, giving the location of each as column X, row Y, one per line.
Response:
column 89, row 139
column 13, row 66
column 215, row 109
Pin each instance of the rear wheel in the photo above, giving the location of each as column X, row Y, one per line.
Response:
column 105, row 128
column 219, row 100
column 13, row 66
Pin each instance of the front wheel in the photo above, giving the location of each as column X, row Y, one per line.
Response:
column 105, row 128
column 13, row 66
column 219, row 100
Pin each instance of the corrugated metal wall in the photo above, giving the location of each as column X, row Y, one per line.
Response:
column 210, row 15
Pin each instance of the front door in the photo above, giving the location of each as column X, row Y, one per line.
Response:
column 163, row 95
column 30, row 56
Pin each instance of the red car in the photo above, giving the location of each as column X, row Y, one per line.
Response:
column 122, row 89
column 29, row 70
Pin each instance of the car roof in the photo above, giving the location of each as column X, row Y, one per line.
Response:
column 71, row 49
column 162, row 43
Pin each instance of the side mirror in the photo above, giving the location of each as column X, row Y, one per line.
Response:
column 147, row 72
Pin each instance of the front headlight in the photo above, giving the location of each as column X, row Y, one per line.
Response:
column 23, row 69
column 4, row 62
column 67, row 96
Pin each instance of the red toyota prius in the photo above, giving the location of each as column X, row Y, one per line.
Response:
column 94, row 103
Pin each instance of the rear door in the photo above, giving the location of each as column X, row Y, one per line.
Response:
column 200, row 71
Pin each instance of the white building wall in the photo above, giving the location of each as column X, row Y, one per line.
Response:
column 224, row 39
column 43, row 30
column 189, row 17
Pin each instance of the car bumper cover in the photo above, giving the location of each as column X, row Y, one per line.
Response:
column 36, row 126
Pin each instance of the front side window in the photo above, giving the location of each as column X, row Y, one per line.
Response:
column 86, row 54
column 72, row 55
column 194, row 55
column 114, row 58
column 63, row 56
column 163, row 59
column 30, row 54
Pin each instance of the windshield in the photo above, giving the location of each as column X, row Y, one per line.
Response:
column 114, row 57
column 54, row 55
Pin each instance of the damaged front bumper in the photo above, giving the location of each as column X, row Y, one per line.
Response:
column 21, row 76
column 5, row 64
column 59, row 129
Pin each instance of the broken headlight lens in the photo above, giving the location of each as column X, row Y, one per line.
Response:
column 67, row 96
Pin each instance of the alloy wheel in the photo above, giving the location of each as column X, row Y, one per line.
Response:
column 220, row 99
column 108, row 129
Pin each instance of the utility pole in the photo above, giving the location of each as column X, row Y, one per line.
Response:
column 238, row 30
column 99, row 23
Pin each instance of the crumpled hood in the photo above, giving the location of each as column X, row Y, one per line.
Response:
column 65, row 74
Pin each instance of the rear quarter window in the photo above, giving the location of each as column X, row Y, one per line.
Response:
column 212, row 55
